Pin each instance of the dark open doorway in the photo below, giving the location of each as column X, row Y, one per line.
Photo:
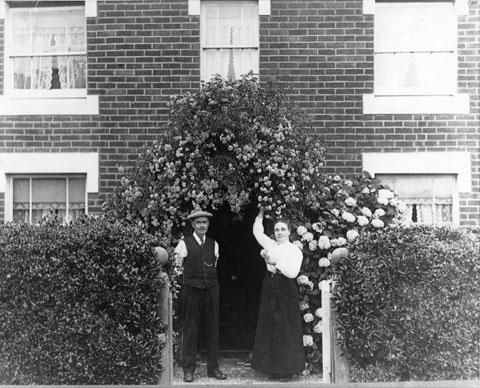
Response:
column 240, row 273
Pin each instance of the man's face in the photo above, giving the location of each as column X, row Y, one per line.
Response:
column 200, row 225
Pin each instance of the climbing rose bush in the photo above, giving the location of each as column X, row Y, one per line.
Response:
column 231, row 143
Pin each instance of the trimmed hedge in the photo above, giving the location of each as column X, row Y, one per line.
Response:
column 79, row 304
column 408, row 305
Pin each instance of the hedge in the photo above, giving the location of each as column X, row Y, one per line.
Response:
column 408, row 305
column 79, row 304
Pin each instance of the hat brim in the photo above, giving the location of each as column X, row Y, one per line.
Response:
column 199, row 214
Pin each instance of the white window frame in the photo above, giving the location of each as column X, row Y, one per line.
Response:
column 264, row 7
column 13, row 165
column 431, row 163
column 10, row 179
column 453, row 104
column 36, row 102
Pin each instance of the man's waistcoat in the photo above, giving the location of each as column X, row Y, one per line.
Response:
column 199, row 265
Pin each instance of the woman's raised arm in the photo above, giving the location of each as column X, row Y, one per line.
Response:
column 258, row 231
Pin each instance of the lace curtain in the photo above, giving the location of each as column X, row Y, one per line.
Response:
column 429, row 198
column 229, row 38
column 42, row 43
column 43, row 196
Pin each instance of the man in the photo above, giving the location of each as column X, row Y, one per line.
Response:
column 198, row 255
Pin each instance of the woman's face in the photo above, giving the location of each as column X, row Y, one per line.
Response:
column 281, row 232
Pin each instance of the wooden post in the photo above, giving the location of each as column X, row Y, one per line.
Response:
column 340, row 368
column 326, row 328
column 166, row 314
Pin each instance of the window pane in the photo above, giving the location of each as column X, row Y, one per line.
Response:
column 415, row 26
column 21, row 31
column 21, row 200
column 72, row 71
column 76, row 31
column 48, row 196
column 229, row 63
column 227, row 23
column 415, row 74
column 49, row 31
column 76, row 201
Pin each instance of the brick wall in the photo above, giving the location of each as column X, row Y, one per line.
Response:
column 141, row 52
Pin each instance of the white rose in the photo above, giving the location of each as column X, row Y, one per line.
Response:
column 335, row 212
column 382, row 200
column 307, row 340
column 362, row 220
column 318, row 313
column 379, row 213
column 316, row 227
column 301, row 230
column 307, row 237
column 323, row 262
column 402, row 206
column 385, row 193
column 323, row 242
column 366, row 190
column 304, row 306
column 298, row 244
column 366, row 212
column 341, row 241
column 349, row 217
column 312, row 245
column 352, row 234
column 308, row 317
column 350, row 201
column 302, row 279
column 348, row 183
column 378, row 223
column 318, row 328
column 337, row 178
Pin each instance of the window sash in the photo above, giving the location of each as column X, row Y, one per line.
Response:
column 33, row 201
column 28, row 61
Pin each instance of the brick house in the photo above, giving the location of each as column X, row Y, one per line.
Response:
column 391, row 87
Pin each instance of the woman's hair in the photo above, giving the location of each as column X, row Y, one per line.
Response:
column 283, row 221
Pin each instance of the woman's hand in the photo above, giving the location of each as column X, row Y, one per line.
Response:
column 261, row 212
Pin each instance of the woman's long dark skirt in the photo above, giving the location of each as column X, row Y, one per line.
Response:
column 278, row 344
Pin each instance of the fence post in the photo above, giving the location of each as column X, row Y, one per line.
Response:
column 340, row 368
column 326, row 329
column 166, row 314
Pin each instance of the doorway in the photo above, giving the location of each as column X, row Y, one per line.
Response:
column 240, row 272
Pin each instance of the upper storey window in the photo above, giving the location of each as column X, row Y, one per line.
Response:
column 229, row 38
column 415, row 49
column 47, row 52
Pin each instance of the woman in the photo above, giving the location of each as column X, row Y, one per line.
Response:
column 278, row 348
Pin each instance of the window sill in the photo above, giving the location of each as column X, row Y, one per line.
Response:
column 456, row 104
column 53, row 106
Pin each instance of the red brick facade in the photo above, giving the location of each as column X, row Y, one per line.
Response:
column 141, row 52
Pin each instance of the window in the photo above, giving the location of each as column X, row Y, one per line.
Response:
column 415, row 57
column 45, row 70
column 429, row 198
column 34, row 197
column 47, row 54
column 415, row 49
column 229, row 38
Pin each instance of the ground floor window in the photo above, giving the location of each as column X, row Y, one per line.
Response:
column 34, row 197
column 430, row 198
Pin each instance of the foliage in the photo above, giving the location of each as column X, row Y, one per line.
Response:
column 79, row 304
column 240, row 145
column 408, row 306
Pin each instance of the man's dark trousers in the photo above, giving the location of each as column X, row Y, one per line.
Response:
column 200, row 304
